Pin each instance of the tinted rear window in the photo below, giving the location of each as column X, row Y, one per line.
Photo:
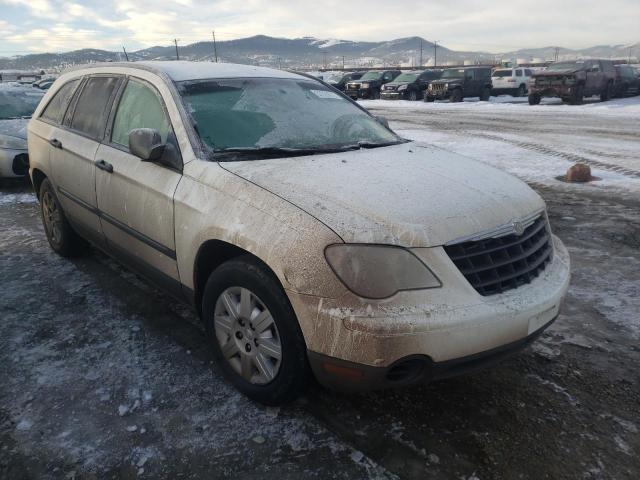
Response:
column 92, row 107
column 502, row 73
column 58, row 105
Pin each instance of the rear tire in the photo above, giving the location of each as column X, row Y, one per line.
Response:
column 456, row 96
column 485, row 95
column 522, row 91
column 61, row 236
column 273, row 369
column 534, row 99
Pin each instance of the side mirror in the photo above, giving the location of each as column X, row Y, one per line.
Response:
column 146, row 144
column 383, row 121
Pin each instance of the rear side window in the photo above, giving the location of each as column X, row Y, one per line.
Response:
column 93, row 106
column 56, row 108
column 518, row 73
column 140, row 107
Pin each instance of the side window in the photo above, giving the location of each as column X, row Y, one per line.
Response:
column 56, row 108
column 528, row 73
column 92, row 108
column 518, row 73
column 387, row 76
column 140, row 107
column 469, row 74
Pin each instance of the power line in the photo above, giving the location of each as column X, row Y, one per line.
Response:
column 215, row 48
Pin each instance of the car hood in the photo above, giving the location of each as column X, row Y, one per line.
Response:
column 14, row 127
column 447, row 80
column 397, row 84
column 556, row 73
column 413, row 195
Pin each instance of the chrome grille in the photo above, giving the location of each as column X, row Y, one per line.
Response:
column 437, row 87
column 495, row 265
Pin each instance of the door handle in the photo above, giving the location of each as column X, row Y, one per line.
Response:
column 55, row 143
column 103, row 165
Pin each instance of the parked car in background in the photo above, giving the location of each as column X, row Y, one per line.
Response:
column 340, row 80
column 17, row 103
column 511, row 81
column 370, row 84
column 409, row 85
column 573, row 81
column 456, row 84
column 627, row 82
column 311, row 238
column 44, row 84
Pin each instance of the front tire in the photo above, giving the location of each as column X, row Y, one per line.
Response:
column 456, row 96
column 413, row 95
column 485, row 94
column 61, row 236
column 578, row 96
column 534, row 99
column 522, row 90
column 256, row 338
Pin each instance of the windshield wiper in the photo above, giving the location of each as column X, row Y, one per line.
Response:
column 283, row 151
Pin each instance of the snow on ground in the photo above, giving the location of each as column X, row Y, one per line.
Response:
column 536, row 143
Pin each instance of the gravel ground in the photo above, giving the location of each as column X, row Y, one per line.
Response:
column 102, row 376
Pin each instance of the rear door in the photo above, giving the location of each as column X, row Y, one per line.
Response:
column 594, row 78
column 135, row 197
column 74, row 148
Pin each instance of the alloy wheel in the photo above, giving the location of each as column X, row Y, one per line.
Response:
column 51, row 217
column 247, row 335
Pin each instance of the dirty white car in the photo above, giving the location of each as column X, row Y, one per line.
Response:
column 312, row 239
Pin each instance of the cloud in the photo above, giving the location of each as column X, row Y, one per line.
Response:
column 465, row 25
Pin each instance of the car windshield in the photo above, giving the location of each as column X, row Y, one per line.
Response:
column 336, row 78
column 565, row 66
column 18, row 102
column 453, row 73
column 371, row 76
column 273, row 115
column 502, row 73
column 407, row 77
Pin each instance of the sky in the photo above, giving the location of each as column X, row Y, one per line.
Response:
column 33, row 26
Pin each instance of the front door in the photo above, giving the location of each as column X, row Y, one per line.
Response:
column 135, row 197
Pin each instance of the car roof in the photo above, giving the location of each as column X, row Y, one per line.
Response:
column 179, row 70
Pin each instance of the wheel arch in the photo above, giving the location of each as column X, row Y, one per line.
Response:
column 213, row 253
column 37, row 177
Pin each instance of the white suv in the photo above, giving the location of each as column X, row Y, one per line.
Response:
column 311, row 238
column 512, row 81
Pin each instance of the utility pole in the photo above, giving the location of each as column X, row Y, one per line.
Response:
column 175, row 40
column 557, row 53
column 629, row 60
column 343, row 59
column 127, row 56
column 324, row 62
column 421, row 52
column 435, row 53
column 215, row 49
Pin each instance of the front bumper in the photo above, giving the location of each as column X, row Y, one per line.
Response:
column 13, row 163
column 438, row 94
column 346, row 376
column 448, row 324
column 393, row 95
column 562, row 91
column 361, row 93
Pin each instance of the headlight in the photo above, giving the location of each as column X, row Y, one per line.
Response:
column 12, row 143
column 446, row 85
column 402, row 87
column 364, row 85
column 378, row 271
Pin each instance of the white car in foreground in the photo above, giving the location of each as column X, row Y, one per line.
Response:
column 311, row 238
column 511, row 81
